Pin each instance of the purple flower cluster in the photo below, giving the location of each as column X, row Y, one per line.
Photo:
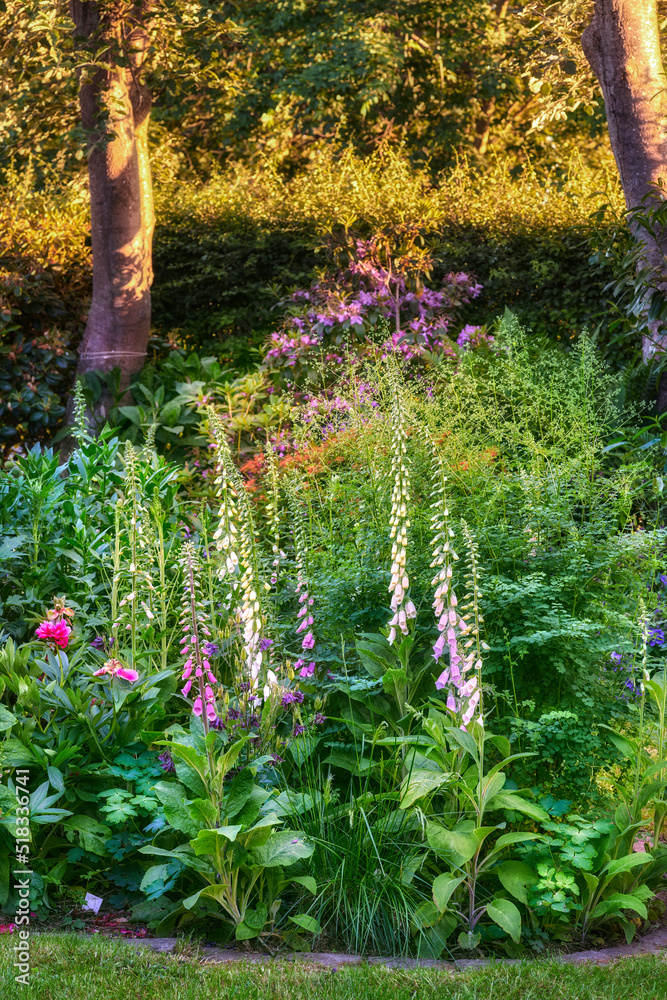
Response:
column 166, row 762
column 334, row 320
column 291, row 698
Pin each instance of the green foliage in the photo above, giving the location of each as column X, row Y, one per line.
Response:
column 222, row 260
column 233, row 844
column 44, row 285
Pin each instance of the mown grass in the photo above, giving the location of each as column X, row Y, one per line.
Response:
column 71, row 968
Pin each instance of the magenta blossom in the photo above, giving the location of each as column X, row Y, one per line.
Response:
column 114, row 668
column 56, row 632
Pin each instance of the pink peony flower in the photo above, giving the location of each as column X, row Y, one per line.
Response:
column 114, row 668
column 56, row 632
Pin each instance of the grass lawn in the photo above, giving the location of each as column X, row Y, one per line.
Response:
column 71, row 968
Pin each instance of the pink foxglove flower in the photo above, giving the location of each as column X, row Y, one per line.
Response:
column 194, row 624
column 114, row 668
column 308, row 642
column 55, row 632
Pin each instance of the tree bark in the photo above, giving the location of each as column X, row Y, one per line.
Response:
column 622, row 45
column 115, row 109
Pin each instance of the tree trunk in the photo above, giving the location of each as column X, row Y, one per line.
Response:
column 115, row 109
column 622, row 45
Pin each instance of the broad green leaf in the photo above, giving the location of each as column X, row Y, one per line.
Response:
column 211, row 841
column 453, row 846
column 307, row 923
column 621, row 743
column 421, row 782
column 510, row 800
column 617, row 902
column 515, row 876
column 92, row 835
column 504, row 913
column 466, row 741
column 183, row 854
column 196, row 761
column 443, row 888
column 394, row 678
column 507, row 839
column 55, row 777
column 468, row 940
column 618, row 865
column 283, row 848
column 307, row 881
column 7, row 720
column 349, row 761
column 246, row 933
column 502, row 743
column 239, row 793
column 173, row 799
column 228, row 760
column 256, row 918
column 216, row 892
column 491, row 785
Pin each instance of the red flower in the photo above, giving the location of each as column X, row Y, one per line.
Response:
column 56, row 632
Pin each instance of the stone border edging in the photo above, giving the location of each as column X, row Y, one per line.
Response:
column 651, row 944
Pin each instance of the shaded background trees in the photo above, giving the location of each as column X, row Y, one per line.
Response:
column 264, row 116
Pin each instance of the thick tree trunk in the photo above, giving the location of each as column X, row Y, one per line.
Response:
column 622, row 45
column 115, row 109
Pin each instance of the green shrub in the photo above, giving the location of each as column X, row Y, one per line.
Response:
column 44, row 287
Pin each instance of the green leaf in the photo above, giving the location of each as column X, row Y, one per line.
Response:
column 621, row 743
column 56, row 779
column 454, row 846
column 7, row 720
column 515, row 876
column 395, row 677
column 443, row 888
column 189, row 756
column 507, row 839
column 246, row 933
column 92, row 835
column 421, row 782
column 173, row 798
column 211, row 841
column 283, row 848
column 619, row 865
column 468, row 940
column 466, row 740
column 216, row 892
column 307, row 923
column 239, row 793
column 491, row 785
column 510, row 800
column 307, row 881
column 504, row 913
column 256, row 918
